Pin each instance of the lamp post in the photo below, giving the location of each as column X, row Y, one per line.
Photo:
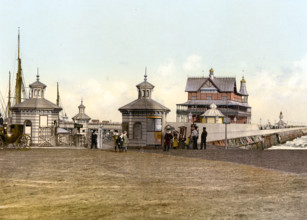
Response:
column 226, row 121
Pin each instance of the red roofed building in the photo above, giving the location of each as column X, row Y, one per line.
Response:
column 222, row 91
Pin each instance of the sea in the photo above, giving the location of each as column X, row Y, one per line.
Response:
column 296, row 144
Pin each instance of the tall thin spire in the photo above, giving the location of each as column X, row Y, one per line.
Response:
column 58, row 95
column 18, row 75
column 18, row 43
column 9, row 98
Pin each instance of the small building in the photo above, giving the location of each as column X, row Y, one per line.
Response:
column 81, row 120
column 281, row 123
column 39, row 116
column 213, row 115
column 144, row 118
column 222, row 91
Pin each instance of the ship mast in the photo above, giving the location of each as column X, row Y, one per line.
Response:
column 58, row 95
column 9, row 98
column 18, row 75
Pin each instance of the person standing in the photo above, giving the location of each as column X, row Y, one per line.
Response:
column 115, row 137
column 194, row 137
column 126, row 141
column 203, row 139
column 175, row 141
column 94, row 140
column 167, row 140
column 120, row 142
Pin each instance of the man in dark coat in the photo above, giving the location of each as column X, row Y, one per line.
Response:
column 1, row 121
column 167, row 140
column 94, row 140
column 203, row 139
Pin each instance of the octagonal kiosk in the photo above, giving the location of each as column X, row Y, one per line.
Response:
column 144, row 118
column 39, row 116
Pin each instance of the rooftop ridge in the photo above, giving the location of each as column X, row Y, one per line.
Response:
column 219, row 77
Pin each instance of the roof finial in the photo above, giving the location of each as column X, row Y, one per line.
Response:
column 81, row 100
column 145, row 76
column 37, row 75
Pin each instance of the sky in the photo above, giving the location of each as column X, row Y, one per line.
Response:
column 98, row 50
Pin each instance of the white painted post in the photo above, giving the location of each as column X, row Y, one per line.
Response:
column 226, row 147
column 99, row 141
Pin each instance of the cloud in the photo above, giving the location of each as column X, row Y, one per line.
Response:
column 168, row 69
column 192, row 64
column 101, row 98
column 284, row 90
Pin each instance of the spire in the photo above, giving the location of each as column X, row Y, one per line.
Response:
column 18, row 43
column 9, row 98
column 18, row 75
column 243, row 90
column 145, row 76
column 58, row 95
column 37, row 75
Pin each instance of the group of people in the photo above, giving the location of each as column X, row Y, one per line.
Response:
column 170, row 140
column 195, row 134
column 120, row 141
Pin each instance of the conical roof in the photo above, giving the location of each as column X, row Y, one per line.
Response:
column 141, row 104
column 34, row 103
column 144, row 84
column 213, row 112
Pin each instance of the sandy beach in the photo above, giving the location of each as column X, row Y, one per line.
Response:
column 152, row 184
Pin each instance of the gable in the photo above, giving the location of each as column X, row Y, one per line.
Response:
column 208, row 87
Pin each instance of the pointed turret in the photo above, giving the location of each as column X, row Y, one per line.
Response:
column 243, row 90
column 211, row 74
column 18, row 75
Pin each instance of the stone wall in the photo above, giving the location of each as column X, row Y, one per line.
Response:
column 247, row 136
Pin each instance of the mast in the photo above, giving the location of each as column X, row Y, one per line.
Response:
column 58, row 95
column 9, row 98
column 18, row 75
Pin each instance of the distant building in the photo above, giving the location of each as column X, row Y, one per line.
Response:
column 81, row 120
column 38, row 115
column 281, row 123
column 222, row 91
column 143, row 119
